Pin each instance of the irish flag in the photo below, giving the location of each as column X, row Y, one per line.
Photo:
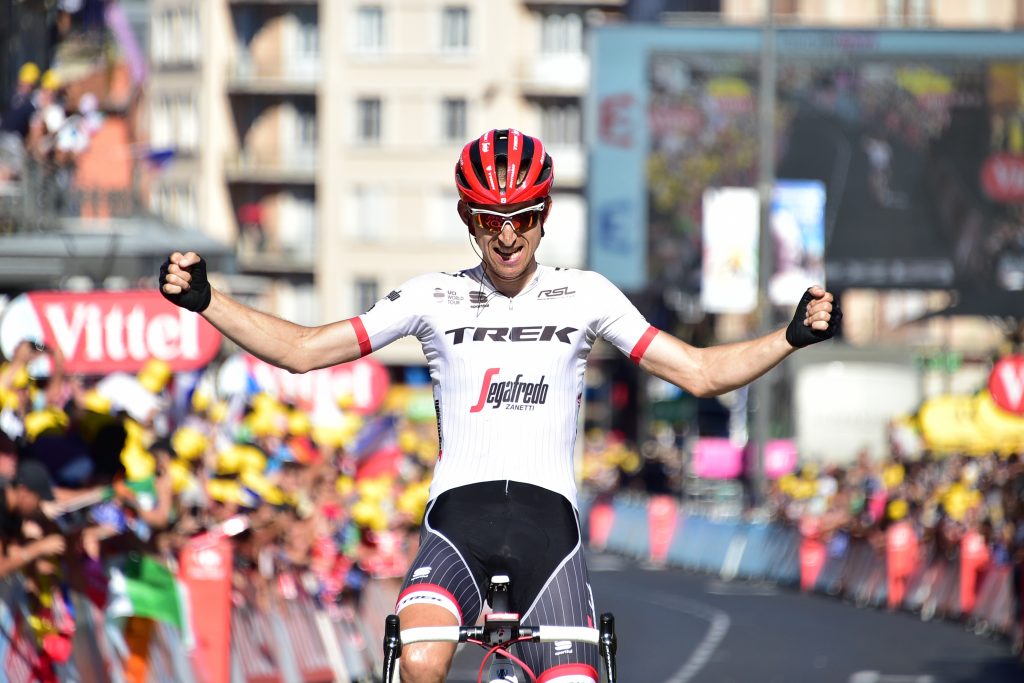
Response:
column 145, row 587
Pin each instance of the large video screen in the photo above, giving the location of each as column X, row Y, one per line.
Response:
column 918, row 141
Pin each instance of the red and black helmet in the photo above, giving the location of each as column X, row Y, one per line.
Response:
column 528, row 169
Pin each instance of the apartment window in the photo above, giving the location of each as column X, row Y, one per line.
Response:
column 175, row 37
column 453, row 119
column 368, row 119
column 561, row 123
column 561, row 33
column 455, row 29
column 370, row 28
column 907, row 12
column 177, row 204
column 371, row 219
column 174, row 121
column 366, row 293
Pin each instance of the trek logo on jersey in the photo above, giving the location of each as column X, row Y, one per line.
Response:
column 530, row 333
column 513, row 395
column 555, row 293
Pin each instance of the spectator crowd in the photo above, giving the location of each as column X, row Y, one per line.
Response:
column 100, row 471
column 44, row 128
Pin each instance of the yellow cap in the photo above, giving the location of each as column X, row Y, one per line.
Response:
column 218, row 411
column 95, row 402
column 28, row 73
column 43, row 421
column 229, row 460
column 201, row 400
column 299, row 423
column 138, row 463
column 897, row 509
column 181, row 477
column 154, row 375
column 51, row 81
column 253, row 459
column 189, row 443
column 20, row 379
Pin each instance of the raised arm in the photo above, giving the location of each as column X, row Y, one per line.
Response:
column 717, row 369
column 296, row 348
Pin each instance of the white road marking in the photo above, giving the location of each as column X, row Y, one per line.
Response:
column 876, row 677
column 716, row 587
column 719, row 625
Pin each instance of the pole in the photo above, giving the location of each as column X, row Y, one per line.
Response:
column 765, row 182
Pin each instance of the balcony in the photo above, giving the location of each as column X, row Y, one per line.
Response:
column 555, row 74
column 296, row 76
column 275, row 3
column 49, row 233
column 588, row 4
column 295, row 167
column 277, row 235
column 570, row 166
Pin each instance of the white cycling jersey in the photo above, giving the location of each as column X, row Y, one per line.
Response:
column 507, row 373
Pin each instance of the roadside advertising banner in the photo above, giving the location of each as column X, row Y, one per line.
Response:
column 104, row 332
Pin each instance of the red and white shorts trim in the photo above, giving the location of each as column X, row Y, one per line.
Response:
column 428, row 594
column 569, row 673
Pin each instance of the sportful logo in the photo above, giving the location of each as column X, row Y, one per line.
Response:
column 478, row 299
column 563, row 647
column 530, row 333
column 555, row 293
column 421, row 573
column 513, row 395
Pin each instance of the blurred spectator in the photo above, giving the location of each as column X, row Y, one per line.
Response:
column 22, row 501
column 28, row 77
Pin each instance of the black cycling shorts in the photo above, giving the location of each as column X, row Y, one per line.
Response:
column 473, row 532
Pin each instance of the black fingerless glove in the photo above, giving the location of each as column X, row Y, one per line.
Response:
column 197, row 297
column 800, row 335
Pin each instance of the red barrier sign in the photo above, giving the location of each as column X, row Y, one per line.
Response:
column 661, row 518
column 205, row 569
column 364, row 381
column 103, row 332
column 1006, row 383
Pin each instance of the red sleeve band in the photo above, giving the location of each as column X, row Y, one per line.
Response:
column 641, row 346
column 364, row 340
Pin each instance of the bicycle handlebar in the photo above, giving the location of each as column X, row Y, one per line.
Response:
column 536, row 634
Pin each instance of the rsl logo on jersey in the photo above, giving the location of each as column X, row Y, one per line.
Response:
column 514, row 394
column 556, row 293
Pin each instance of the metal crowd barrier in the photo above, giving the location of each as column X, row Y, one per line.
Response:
column 849, row 568
column 294, row 641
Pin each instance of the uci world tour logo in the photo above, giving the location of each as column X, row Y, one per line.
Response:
column 512, row 394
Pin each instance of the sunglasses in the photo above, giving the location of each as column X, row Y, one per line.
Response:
column 494, row 221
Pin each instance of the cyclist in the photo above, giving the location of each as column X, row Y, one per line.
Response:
column 506, row 343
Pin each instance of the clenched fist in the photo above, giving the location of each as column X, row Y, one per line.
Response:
column 183, row 281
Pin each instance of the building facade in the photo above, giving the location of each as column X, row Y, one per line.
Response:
column 320, row 137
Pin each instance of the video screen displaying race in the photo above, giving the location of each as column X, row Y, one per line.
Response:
column 921, row 159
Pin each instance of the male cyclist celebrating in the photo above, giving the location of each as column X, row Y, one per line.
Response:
column 507, row 344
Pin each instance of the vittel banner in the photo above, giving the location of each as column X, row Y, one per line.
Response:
column 103, row 332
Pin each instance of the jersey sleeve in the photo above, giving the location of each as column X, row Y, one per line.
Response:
column 396, row 315
column 618, row 321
